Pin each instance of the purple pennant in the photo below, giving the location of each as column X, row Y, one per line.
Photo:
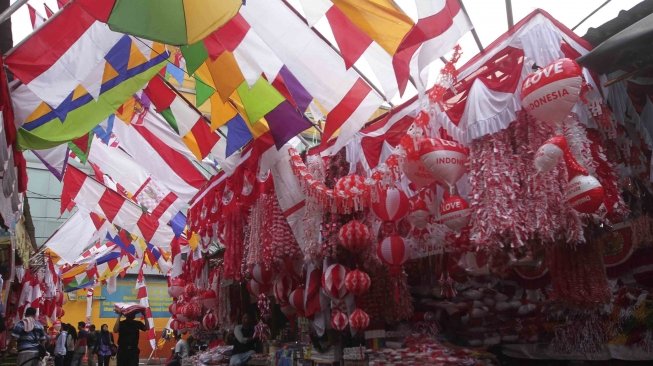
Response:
column 299, row 94
column 285, row 122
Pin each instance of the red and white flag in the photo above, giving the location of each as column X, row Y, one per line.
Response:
column 35, row 17
column 89, row 304
column 142, row 296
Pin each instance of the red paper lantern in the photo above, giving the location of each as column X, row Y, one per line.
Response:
column 444, row 159
column 256, row 288
column 454, row 212
column 393, row 251
column 355, row 236
column 282, row 288
column 296, row 300
column 176, row 287
column 333, row 281
column 190, row 290
column 209, row 321
column 393, row 204
column 550, row 153
column 350, row 186
column 550, row 93
column 357, row 282
column 339, row 320
column 359, row 320
column 261, row 274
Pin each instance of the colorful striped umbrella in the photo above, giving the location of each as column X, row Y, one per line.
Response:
column 174, row 22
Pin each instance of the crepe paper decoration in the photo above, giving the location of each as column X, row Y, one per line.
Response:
column 177, row 22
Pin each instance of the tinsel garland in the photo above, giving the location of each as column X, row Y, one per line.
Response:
column 282, row 243
column 233, row 224
column 313, row 213
column 262, row 330
column 578, row 273
column 253, row 242
column 582, row 331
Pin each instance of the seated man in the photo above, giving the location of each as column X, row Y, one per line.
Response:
column 244, row 342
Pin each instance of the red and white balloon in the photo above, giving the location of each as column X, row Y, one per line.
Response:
column 282, row 288
column 357, row 282
column 359, row 320
column 584, row 194
column 210, row 321
column 393, row 251
column 355, row 236
column 444, row 159
column 419, row 213
column 416, row 172
column 296, row 300
column 339, row 320
column 550, row 93
column 261, row 273
column 550, row 153
column 333, row 281
column 393, row 204
column 454, row 212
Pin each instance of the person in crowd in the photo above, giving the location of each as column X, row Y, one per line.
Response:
column 60, row 348
column 103, row 346
column 244, row 342
column 80, row 345
column 30, row 338
column 181, row 352
column 128, row 334
column 71, row 342
column 90, row 345
column 53, row 335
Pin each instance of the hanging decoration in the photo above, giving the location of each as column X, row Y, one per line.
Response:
column 296, row 300
column 262, row 274
column 282, row 288
column 262, row 331
column 550, row 154
column 551, row 92
column 339, row 320
column 255, row 288
column 392, row 204
column 357, row 282
column 209, row 321
column 393, row 252
column 359, row 320
column 333, row 281
column 419, row 213
column 444, row 159
column 583, row 193
column 454, row 211
column 354, row 236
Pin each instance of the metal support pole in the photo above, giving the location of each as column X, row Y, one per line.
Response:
column 11, row 10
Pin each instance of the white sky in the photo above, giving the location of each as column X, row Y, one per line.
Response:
column 488, row 17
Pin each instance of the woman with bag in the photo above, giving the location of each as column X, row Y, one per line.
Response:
column 105, row 347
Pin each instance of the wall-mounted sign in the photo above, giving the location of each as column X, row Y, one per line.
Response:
column 157, row 290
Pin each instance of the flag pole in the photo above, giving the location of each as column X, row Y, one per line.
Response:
column 11, row 10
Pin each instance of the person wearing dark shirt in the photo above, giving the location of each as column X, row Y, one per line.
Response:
column 81, row 345
column 104, row 345
column 30, row 336
column 128, row 333
column 90, row 345
column 244, row 342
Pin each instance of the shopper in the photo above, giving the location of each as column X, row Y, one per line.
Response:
column 90, row 345
column 80, row 345
column 128, row 333
column 181, row 352
column 71, row 342
column 104, row 346
column 60, row 346
column 244, row 342
column 30, row 336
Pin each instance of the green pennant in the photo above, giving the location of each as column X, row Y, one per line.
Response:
column 258, row 100
column 195, row 54
column 202, row 92
column 170, row 118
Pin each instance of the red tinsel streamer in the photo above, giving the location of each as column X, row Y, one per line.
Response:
column 282, row 243
column 578, row 273
column 232, row 237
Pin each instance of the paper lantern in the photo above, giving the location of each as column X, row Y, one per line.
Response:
column 454, row 212
column 351, row 186
column 550, row 153
column 333, row 281
column 339, row 320
column 550, row 93
column 210, row 321
column 444, row 159
column 176, row 287
column 359, row 320
column 419, row 213
column 296, row 300
column 584, row 193
column 417, row 172
column 355, row 236
column 256, row 288
column 190, row 290
column 282, row 288
column 393, row 204
column 208, row 299
column 261, row 273
column 357, row 282
column 393, row 251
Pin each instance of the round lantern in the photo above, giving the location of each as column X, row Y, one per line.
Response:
column 550, row 93
column 351, row 192
column 176, row 287
column 354, row 235
column 261, row 274
column 208, row 299
column 282, row 288
column 550, row 153
column 256, row 288
column 190, row 290
column 584, row 194
column 419, row 214
column 333, row 281
column 454, row 212
column 417, row 172
column 393, row 251
column 444, row 159
column 357, row 282
column 339, row 320
column 296, row 300
column 393, row 204
column 359, row 320
column 209, row 321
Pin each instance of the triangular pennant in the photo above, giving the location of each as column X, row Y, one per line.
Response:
column 136, row 57
column 202, row 92
column 81, row 146
column 238, row 135
column 195, row 54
